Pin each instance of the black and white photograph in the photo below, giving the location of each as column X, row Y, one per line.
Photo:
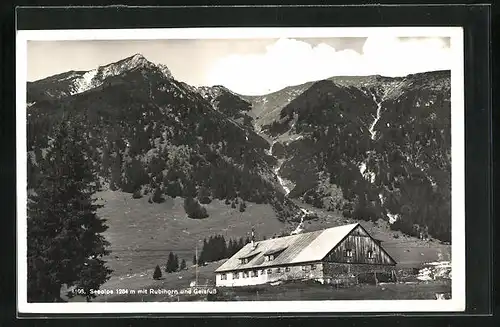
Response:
column 241, row 170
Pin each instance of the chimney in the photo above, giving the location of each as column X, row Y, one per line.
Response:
column 253, row 238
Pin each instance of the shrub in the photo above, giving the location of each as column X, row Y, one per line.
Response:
column 194, row 209
column 137, row 194
column 347, row 214
column 233, row 205
column 113, row 186
column 204, row 195
column 318, row 202
column 205, row 200
column 174, row 189
column 243, row 206
column 157, row 272
column 158, row 195
column 227, row 202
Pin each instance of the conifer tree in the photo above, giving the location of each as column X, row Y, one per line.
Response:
column 194, row 209
column 175, row 264
column 135, row 176
column 64, row 234
column 170, row 263
column 116, row 170
column 223, row 251
column 157, row 272
column 243, row 206
column 210, row 250
column 203, row 254
column 158, row 195
column 183, row 265
column 229, row 247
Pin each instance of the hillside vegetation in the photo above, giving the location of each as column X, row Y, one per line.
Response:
column 369, row 147
column 175, row 162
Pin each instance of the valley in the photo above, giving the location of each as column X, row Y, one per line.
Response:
column 367, row 149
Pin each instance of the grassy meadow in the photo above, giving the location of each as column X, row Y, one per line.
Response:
column 294, row 291
column 142, row 234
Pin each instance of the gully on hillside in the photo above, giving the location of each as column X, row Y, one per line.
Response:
column 368, row 147
column 377, row 117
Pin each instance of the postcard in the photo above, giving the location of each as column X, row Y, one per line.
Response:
column 240, row 170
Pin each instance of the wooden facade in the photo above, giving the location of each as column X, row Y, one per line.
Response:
column 359, row 247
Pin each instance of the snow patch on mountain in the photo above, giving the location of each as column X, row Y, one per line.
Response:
column 95, row 77
column 368, row 175
column 85, row 82
column 381, row 198
column 392, row 217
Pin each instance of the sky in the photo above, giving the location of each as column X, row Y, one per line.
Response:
column 250, row 66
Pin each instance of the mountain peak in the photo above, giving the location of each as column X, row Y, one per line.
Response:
column 138, row 60
column 95, row 77
column 135, row 61
column 138, row 56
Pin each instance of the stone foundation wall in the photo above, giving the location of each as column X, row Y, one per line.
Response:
column 341, row 273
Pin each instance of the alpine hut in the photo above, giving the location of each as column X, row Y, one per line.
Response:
column 331, row 256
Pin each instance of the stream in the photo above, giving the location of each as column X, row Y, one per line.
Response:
column 300, row 227
column 379, row 109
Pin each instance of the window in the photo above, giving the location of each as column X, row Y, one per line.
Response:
column 269, row 271
column 313, row 267
column 223, row 276
column 287, row 269
column 236, row 275
column 305, row 268
column 269, row 257
column 253, row 273
column 245, row 274
column 278, row 270
column 249, row 257
column 370, row 254
column 273, row 254
column 348, row 253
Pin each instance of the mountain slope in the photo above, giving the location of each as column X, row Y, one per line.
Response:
column 229, row 103
column 370, row 147
column 149, row 132
column 74, row 82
